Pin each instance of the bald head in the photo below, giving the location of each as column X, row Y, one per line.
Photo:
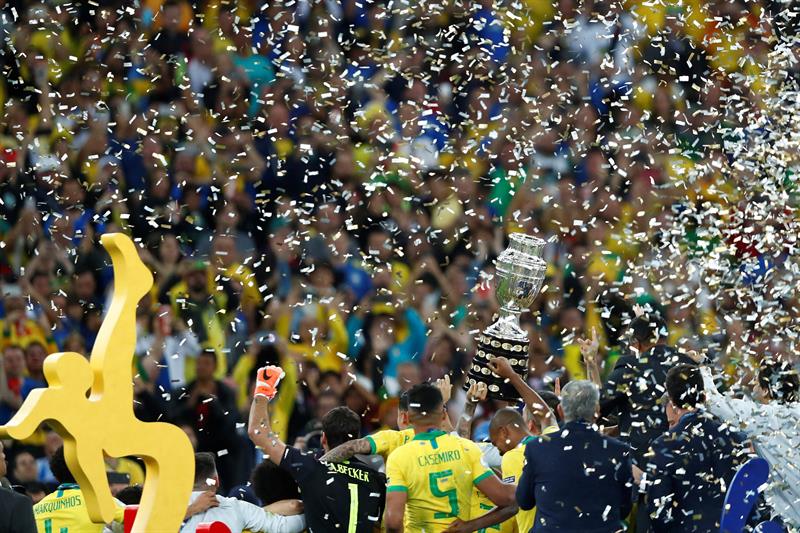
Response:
column 506, row 417
column 507, row 429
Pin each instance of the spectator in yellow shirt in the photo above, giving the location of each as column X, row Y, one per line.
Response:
column 16, row 328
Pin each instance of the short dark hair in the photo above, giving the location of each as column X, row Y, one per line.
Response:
column 329, row 374
column 272, row 483
column 130, row 495
column 340, row 425
column 33, row 344
column 14, row 347
column 648, row 328
column 205, row 467
column 59, row 468
column 780, row 380
column 685, row 386
column 20, row 454
column 550, row 398
column 209, row 352
column 424, row 399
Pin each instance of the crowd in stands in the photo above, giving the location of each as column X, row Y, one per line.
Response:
column 323, row 187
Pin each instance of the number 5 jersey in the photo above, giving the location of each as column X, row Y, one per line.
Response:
column 437, row 471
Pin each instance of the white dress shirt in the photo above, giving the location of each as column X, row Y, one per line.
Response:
column 239, row 515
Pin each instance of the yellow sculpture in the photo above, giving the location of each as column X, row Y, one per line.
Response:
column 104, row 421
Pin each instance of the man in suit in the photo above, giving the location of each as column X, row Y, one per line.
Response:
column 16, row 510
column 578, row 479
column 635, row 386
column 692, row 465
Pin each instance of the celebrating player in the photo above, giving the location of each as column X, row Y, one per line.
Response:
column 430, row 478
column 337, row 497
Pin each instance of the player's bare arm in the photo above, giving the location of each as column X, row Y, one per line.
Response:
column 534, row 402
column 498, row 515
column 395, row 511
column 501, row 494
column 446, row 388
column 285, row 507
column 201, row 504
column 475, row 395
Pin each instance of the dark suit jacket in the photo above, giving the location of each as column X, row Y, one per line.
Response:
column 690, row 470
column 632, row 392
column 577, row 468
column 16, row 513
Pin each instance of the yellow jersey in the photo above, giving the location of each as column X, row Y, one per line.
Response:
column 481, row 504
column 384, row 442
column 513, row 462
column 438, row 472
column 64, row 511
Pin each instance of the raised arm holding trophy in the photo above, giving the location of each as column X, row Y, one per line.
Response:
column 520, row 274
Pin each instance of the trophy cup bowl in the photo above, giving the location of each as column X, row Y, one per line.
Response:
column 520, row 274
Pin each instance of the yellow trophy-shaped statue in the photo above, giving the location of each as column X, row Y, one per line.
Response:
column 103, row 421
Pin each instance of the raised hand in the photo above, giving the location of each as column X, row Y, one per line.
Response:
column 501, row 367
column 590, row 347
column 477, row 392
column 267, row 381
column 444, row 386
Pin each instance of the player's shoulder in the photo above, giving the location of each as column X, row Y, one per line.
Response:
column 397, row 435
column 406, row 434
column 48, row 498
column 226, row 502
column 465, row 443
column 541, row 443
column 517, row 452
column 59, row 494
column 401, row 453
column 511, row 457
column 372, row 473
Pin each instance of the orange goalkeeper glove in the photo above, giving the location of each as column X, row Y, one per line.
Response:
column 267, row 381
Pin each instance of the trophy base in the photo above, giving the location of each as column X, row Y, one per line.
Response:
column 489, row 347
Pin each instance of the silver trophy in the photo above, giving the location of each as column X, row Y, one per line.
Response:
column 520, row 274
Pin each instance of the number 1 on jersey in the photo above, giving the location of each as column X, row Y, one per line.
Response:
column 351, row 528
column 451, row 494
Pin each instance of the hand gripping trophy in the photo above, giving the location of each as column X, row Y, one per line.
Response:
column 520, row 274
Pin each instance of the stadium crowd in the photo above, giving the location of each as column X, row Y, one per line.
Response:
column 323, row 187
